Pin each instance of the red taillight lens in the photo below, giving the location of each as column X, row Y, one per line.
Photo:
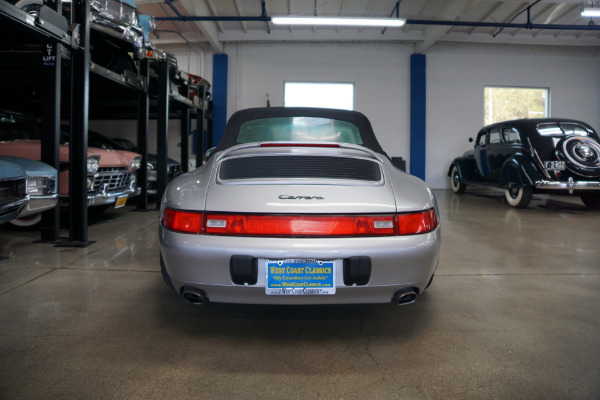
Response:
column 415, row 223
column 299, row 225
column 183, row 221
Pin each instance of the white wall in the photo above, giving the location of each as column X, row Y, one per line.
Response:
column 456, row 76
column 380, row 73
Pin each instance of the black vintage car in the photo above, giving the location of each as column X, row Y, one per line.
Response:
column 529, row 156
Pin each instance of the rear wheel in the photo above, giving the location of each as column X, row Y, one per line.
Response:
column 457, row 186
column 591, row 200
column 518, row 196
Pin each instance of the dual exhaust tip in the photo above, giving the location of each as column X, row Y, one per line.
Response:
column 194, row 295
column 405, row 296
column 197, row 296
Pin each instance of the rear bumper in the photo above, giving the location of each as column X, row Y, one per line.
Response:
column 570, row 185
column 203, row 261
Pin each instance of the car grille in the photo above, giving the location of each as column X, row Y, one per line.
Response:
column 114, row 178
column 300, row 167
column 11, row 192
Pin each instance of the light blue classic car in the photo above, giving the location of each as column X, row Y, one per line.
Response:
column 39, row 190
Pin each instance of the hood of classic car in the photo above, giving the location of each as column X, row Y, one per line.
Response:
column 32, row 149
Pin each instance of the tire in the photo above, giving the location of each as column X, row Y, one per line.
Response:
column 591, row 200
column 457, row 186
column 28, row 222
column 581, row 154
column 518, row 197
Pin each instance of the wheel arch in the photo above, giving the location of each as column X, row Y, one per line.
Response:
column 519, row 169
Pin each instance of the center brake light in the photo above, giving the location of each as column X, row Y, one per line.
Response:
column 268, row 225
column 300, row 145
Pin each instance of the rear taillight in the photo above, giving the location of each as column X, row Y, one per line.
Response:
column 183, row 221
column 415, row 223
column 299, row 225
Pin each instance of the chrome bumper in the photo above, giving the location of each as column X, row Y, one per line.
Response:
column 105, row 197
column 38, row 204
column 571, row 185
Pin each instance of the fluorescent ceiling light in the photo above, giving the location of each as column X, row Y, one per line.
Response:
column 339, row 21
column 590, row 12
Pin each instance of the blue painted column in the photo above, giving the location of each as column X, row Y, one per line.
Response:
column 219, row 96
column 418, row 103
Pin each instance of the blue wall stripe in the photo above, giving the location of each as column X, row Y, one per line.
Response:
column 219, row 96
column 418, row 101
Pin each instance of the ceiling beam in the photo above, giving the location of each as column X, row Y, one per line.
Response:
column 208, row 28
column 450, row 12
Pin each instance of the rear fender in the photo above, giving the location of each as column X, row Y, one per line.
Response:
column 519, row 170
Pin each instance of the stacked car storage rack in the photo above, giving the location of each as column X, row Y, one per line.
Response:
column 34, row 53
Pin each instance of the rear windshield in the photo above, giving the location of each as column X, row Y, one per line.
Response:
column 299, row 129
column 563, row 128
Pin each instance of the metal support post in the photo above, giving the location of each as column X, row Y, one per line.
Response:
column 80, row 80
column 50, row 129
column 162, row 129
column 185, row 132
column 142, row 137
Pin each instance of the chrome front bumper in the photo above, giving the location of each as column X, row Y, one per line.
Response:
column 571, row 185
column 38, row 204
column 105, row 197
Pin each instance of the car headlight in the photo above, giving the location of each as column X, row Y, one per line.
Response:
column 135, row 163
column 152, row 24
column 37, row 185
column 93, row 162
column 150, row 166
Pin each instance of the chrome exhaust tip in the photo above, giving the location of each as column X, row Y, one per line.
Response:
column 406, row 296
column 194, row 296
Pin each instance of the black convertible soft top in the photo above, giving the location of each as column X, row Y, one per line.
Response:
column 234, row 124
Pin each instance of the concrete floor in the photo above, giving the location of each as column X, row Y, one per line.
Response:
column 513, row 313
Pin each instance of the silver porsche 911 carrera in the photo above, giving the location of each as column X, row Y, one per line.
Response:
column 298, row 206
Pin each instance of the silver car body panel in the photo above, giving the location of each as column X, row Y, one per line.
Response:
column 202, row 261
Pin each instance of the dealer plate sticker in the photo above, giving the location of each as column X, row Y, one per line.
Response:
column 300, row 277
column 555, row 165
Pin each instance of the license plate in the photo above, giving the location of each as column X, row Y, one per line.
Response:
column 555, row 165
column 300, row 277
column 121, row 201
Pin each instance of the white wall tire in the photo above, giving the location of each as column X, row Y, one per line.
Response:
column 30, row 6
column 518, row 197
column 457, row 186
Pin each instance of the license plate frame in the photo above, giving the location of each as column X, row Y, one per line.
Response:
column 121, row 201
column 300, row 277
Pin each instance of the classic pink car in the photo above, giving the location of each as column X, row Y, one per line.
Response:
column 111, row 173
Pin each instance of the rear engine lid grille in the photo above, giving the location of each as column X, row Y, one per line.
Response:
column 315, row 167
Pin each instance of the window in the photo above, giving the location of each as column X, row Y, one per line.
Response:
column 494, row 135
column 326, row 95
column 299, row 129
column 506, row 103
column 481, row 139
column 511, row 135
column 559, row 129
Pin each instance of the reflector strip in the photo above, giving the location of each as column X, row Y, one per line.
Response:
column 268, row 225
